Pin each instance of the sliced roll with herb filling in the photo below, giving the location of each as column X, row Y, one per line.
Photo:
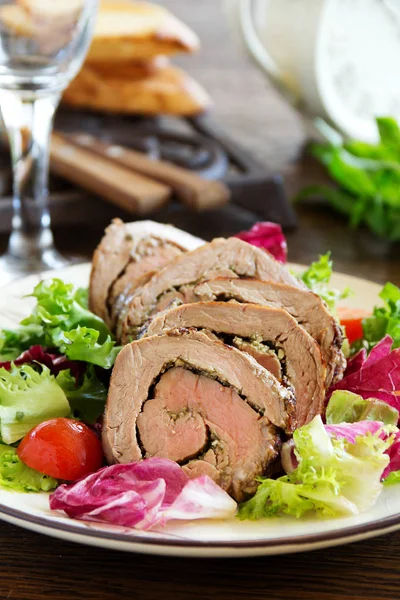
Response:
column 211, row 408
column 306, row 307
column 174, row 283
column 270, row 335
column 127, row 256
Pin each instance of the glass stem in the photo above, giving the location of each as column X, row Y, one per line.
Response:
column 28, row 122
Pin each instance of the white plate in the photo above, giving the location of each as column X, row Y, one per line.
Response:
column 198, row 538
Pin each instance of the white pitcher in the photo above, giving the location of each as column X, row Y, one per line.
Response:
column 338, row 60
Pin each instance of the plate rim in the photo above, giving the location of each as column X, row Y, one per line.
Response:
column 336, row 535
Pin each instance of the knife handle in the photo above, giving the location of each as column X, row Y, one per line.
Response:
column 194, row 191
column 113, row 182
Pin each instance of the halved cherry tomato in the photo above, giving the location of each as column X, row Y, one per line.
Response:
column 62, row 448
column 351, row 319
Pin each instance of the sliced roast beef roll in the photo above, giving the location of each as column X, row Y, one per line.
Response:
column 260, row 331
column 184, row 396
column 306, row 307
column 174, row 283
column 125, row 258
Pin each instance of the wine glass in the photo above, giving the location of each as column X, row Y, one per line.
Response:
column 42, row 47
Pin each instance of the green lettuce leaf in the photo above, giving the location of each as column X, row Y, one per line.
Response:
column 384, row 320
column 58, row 305
column 392, row 478
column 14, row 342
column 88, row 399
column 333, row 477
column 61, row 320
column 347, row 407
column 82, row 344
column 317, row 278
column 17, row 476
column 27, row 398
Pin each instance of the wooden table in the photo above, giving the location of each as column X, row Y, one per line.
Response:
column 33, row 566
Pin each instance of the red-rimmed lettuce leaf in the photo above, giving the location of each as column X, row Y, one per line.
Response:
column 269, row 236
column 54, row 361
column 143, row 495
column 351, row 433
column 392, row 471
column 85, row 392
column 376, row 375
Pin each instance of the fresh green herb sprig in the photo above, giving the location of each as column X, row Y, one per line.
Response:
column 368, row 176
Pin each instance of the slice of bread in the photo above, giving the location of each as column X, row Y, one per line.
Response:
column 127, row 30
column 167, row 90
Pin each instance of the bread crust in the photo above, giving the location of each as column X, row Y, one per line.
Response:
column 164, row 91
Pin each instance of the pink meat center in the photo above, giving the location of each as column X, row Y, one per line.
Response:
column 195, row 416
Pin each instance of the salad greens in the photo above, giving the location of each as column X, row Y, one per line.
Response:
column 347, row 407
column 56, row 364
column 385, row 320
column 17, row 476
column 368, row 177
column 87, row 399
column 333, row 477
column 83, row 344
column 61, row 320
column 27, row 398
column 392, row 478
column 317, row 278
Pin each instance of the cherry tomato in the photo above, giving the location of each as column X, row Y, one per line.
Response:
column 62, row 448
column 351, row 319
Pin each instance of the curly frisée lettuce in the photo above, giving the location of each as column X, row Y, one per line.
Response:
column 27, row 398
column 58, row 304
column 333, row 477
column 17, row 476
column 61, row 320
column 317, row 278
column 83, row 344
